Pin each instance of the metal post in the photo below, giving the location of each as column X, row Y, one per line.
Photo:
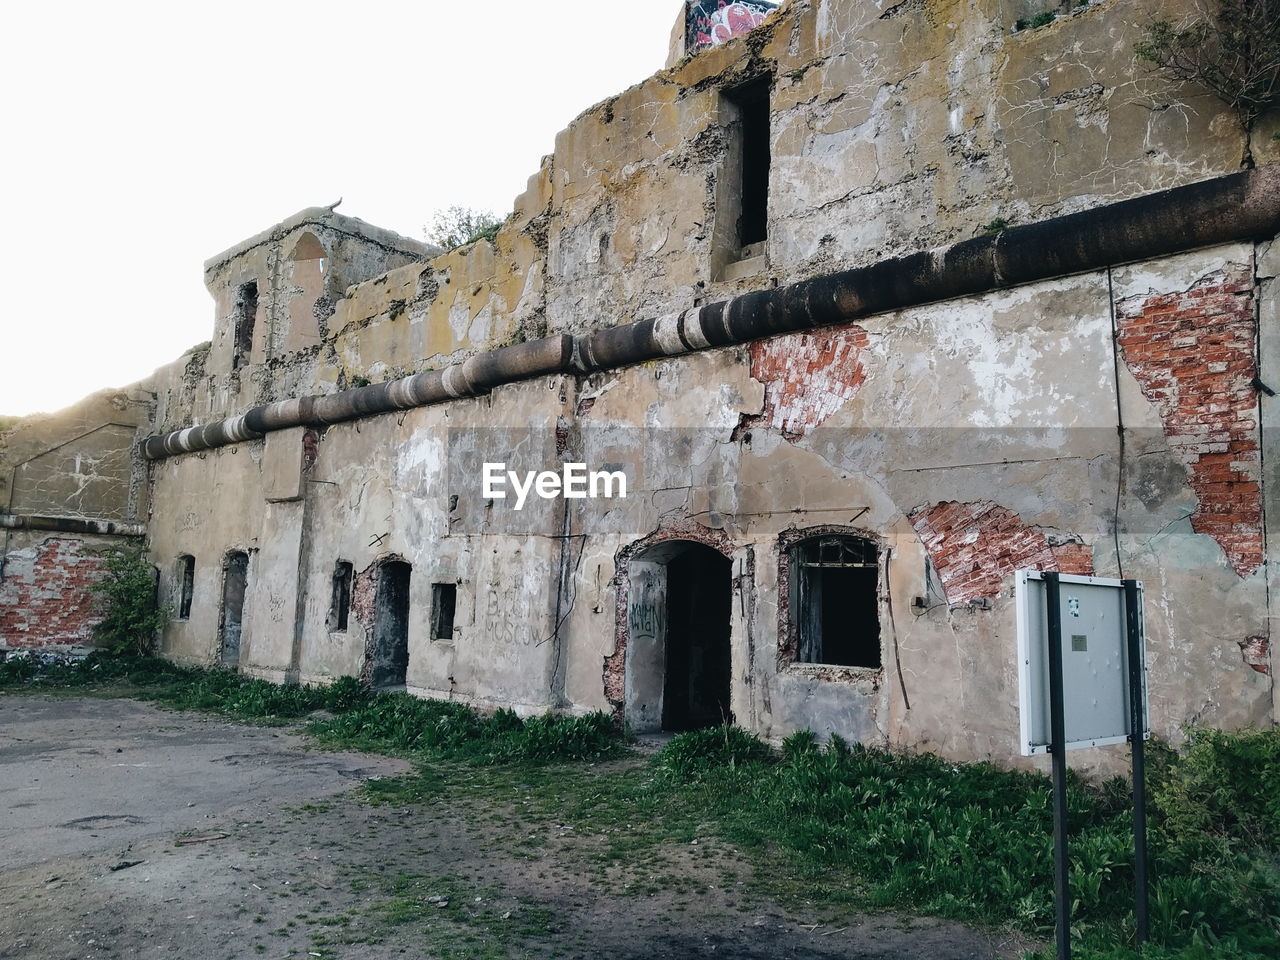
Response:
column 1137, row 729
column 1057, row 747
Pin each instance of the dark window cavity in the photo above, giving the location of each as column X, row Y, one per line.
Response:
column 444, row 599
column 752, row 103
column 834, row 603
column 187, row 581
column 246, row 315
column 340, row 607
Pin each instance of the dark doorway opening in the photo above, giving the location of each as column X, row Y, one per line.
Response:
column 390, row 651
column 235, row 578
column 699, row 603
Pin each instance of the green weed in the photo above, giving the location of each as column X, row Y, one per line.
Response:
column 395, row 723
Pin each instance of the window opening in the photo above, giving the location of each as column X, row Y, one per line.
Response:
column 187, row 578
column 444, row 600
column 836, row 610
column 752, row 101
column 246, row 315
column 340, row 606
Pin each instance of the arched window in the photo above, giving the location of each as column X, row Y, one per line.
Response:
column 305, row 301
column 835, row 609
column 309, row 247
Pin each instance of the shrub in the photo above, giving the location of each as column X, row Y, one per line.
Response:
column 1226, row 786
column 697, row 752
column 132, row 617
column 1232, row 48
column 458, row 226
column 345, row 693
column 554, row 738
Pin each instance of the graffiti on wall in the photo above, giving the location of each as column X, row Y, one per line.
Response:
column 709, row 23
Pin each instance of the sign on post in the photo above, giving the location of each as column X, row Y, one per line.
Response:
column 1095, row 662
column 1082, row 683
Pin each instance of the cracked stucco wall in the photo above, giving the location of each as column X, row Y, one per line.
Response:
column 78, row 464
column 895, row 128
column 1001, row 408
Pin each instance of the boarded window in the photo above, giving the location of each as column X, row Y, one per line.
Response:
column 246, row 316
column 187, row 582
column 340, row 606
column 444, row 598
column 835, row 608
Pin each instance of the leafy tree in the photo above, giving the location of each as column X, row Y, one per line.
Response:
column 1231, row 47
column 133, row 616
column 458, row 226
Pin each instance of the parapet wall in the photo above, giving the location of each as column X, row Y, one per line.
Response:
column 892, row 129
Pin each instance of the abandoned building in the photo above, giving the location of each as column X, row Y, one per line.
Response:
column 867, row 306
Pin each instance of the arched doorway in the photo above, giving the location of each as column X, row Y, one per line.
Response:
column 678, row 622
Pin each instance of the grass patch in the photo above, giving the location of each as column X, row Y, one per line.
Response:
column 394, row 723
column 840, row 826
column 834, row 825
column 973, row 843
column 405, row 725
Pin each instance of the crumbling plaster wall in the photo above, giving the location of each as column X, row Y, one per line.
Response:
column 79, row 464
column 1009, row 398
column 895, row 127
column 1002, row 407
column 206, row 506
column 293, row 344
column 386, row 490
column 1267, row 267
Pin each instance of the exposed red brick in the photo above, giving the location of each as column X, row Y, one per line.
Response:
column 807, row 376
column 1193, row 354
column 974, row 546
column 45, row 599
column 1257, row 653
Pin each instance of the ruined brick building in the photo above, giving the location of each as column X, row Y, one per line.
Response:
column 872, row 305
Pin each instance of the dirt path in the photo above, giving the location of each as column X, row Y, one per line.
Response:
column 129, row 831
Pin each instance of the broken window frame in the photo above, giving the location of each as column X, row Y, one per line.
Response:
column 186, row 585
column 806, row 628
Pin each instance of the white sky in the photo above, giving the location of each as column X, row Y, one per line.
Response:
column 141, row 137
